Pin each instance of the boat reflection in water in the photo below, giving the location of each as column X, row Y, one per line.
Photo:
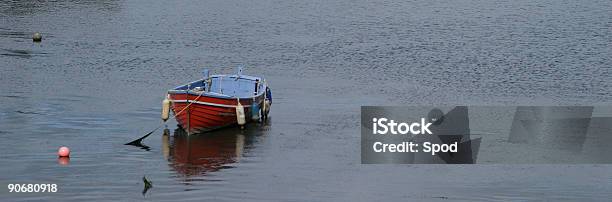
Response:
column 197, row 155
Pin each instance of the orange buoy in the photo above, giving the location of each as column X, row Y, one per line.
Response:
column 63, row 152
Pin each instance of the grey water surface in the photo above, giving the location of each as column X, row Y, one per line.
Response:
column 97, row 79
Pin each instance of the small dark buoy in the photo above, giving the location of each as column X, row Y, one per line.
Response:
column 37, row 37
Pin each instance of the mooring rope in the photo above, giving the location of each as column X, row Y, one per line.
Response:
column 138, row 141
column 201, row 93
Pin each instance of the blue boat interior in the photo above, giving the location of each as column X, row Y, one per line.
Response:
column 226, row 86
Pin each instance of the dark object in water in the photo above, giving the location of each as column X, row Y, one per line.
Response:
column 37, row 37
column 138, row 142
column 147, row 185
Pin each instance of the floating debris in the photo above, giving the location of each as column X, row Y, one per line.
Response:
column 441, row 197
column 26, row 112
column 147, row 185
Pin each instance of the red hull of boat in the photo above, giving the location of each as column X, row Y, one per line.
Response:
column 208, row 113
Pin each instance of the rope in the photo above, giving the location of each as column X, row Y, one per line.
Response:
column 175, row 115
column 138, row 141
column 188, row 104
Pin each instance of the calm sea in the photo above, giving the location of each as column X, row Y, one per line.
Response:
column 97, row 79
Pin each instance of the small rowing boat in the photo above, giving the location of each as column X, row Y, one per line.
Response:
column 218, row 101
